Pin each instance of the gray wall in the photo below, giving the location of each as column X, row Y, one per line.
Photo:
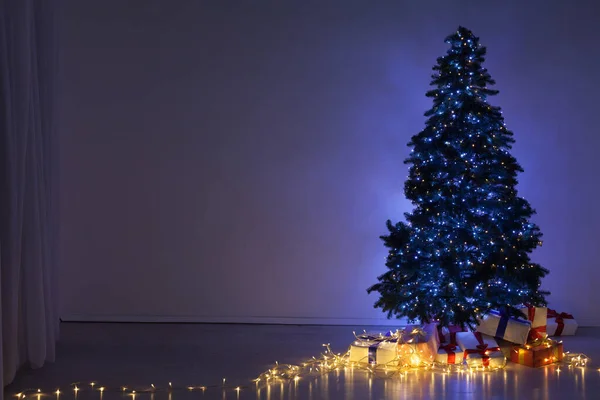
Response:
column 228, row 162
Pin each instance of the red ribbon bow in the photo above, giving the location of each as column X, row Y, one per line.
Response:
column 449, row 348
column 530, row 312
column 537, row 332
column 483, row 349
column 563, row 315
column 559, row 318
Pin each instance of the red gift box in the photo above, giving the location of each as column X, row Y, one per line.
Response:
column 537, row 356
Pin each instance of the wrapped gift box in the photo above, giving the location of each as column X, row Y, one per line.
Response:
column 499, row 325
column 480, row 350
column 537, row 356
column 419, row 344
column 450, row 354
column 538, row 318
column 411, row 346
column 560, row 324
column 447, row 334
column 374, row 351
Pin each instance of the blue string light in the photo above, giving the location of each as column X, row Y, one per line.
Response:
column 466, row 244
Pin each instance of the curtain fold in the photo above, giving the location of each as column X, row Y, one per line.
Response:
column 28, row 185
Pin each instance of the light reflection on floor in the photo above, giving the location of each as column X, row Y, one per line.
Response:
column 512, row 383
column 138, row 354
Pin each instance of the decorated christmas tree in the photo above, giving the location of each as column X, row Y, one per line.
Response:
column 465, row 247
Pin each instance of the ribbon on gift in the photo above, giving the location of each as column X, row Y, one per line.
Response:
column 482, row 348
column 557, row 353
column 522, row 354
column 441, row 334
column 553, row 314
column 536, row 333
column 373, row 352
column 399, row 337
column 504, row 317
column 449, row 349
column 452, row 329
column 559, row 318
column 543, row 340
column 530, row 312
column 415, row 334
column 376, row 340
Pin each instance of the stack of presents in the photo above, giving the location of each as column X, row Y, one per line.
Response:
column 523, row 341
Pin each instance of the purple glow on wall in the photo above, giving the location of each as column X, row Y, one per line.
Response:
column 240, row 161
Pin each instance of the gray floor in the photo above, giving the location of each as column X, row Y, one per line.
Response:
column 116, row 355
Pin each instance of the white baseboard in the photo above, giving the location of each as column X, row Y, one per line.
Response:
column 165, row 319
column 234, row 320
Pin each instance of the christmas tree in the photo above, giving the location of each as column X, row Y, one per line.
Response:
column 464, row 249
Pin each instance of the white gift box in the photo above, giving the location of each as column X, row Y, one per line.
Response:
column 374, row 352
column 480, row 350
column 569, row 327
column 500, row 326
column 412, row 346
column 537, row 315
column 538, row 318
column 447, row 334
column 450, row 354
column 558, row 325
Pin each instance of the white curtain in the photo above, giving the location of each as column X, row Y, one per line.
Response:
column 28, row 185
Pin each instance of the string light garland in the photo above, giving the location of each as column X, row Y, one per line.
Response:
column 571, row 360
column 326, row 363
